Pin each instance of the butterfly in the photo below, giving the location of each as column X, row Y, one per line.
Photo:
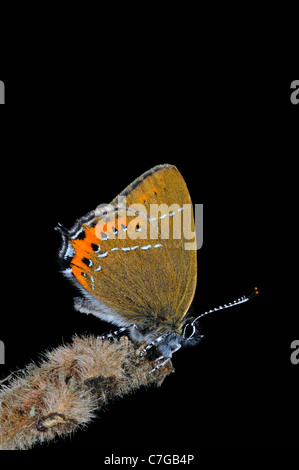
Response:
column 132, row 265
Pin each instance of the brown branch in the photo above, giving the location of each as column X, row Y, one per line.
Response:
column 64, row 392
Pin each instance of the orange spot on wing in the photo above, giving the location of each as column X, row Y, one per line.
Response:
column 83, row 246
column 143, row 199
column 83, row 250
column 82, row 280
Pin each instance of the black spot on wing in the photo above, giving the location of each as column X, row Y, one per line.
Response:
column 81, row 235
column 85, row 261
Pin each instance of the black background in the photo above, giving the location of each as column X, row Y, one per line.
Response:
column 77, row 137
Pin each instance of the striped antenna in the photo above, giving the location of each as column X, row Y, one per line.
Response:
column 243, row 299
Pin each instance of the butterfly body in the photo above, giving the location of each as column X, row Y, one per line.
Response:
column 129, row 259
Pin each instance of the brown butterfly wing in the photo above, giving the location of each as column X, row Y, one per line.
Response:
column 164, row 184
column 147, row 279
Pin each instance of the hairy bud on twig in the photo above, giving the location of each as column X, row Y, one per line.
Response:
column 63, row 393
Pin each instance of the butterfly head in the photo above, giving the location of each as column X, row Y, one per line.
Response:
column 188, row 333
column 169, row 339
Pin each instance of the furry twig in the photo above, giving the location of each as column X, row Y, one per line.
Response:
column 65, row 390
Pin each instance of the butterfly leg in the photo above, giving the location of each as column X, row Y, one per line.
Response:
column 167, row 359
column 160, row 365
column 113, row 333
column 155, row 342
column 149, row 346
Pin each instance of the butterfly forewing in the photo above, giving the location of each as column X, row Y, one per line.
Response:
column 163, row 187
